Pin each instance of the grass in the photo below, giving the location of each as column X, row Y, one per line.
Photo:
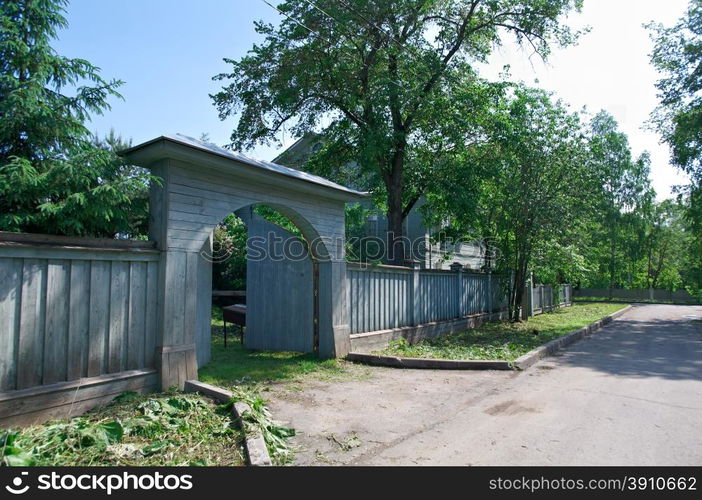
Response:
column 504, row 340
column 246, row 373
column 235, row 366
column 158, row 429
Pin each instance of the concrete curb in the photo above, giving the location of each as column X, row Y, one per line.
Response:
column 256, row 450
column 521, row 363
column 428, row 363
column 524, row 362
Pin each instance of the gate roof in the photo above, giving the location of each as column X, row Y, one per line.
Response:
column 197, row 152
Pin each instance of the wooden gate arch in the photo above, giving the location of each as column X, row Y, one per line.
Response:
column 200, row 185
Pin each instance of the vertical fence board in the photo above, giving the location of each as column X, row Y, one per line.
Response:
column 99, row 317
column 31, row 340
column 137, row 315
column 78, row 320
column 151, row 314
column 119, row 317
column 56, row 332
column 11, row 280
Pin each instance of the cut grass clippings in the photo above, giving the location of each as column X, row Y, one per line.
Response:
column 259, row 419
column 152, row 430
column 503, row 340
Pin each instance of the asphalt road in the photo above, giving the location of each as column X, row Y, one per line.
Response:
column 631, row 394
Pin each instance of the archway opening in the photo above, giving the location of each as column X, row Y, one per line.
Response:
column 264, row 316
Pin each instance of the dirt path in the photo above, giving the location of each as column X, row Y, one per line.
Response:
column 631, row 394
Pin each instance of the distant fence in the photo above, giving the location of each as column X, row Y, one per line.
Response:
column 387, row 297
column 639, row 294
column 74, row 314
column 545, row 298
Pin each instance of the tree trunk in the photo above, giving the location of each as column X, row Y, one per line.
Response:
column 611, row 267
column 396, row 245
column 520, row 277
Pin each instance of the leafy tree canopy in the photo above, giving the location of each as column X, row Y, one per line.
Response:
column 533, row 178
column 391, row 82
column 55, row 177
column 677, row 55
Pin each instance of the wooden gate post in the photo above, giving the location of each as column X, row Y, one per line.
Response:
column 177, row 293
column 175, row 353
column 333, row 322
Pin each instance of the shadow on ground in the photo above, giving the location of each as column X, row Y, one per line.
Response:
column 668, row 346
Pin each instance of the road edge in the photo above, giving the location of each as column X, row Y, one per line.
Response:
column 528, row 359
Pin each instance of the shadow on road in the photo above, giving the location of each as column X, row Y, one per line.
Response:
column 651, row 341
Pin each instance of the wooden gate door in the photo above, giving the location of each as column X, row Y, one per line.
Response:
column 279, row 289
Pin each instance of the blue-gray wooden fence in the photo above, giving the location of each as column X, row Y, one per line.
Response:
column 68, row 313
column 385, row 297
column 545, row 298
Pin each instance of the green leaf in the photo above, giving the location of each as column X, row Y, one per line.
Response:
column 113, row 430
column 155, row 447
column 14, row 457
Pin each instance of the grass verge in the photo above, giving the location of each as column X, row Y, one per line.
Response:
column 503, row 340
column 157, row 429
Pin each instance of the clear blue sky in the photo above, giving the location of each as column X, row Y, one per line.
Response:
column 168, row 50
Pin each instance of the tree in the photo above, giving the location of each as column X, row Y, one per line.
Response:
column 229, row 246
column 621, row 194
column 534, row 173
column 677, row 54
column 381, row 78
column 665, row 247
column 55, row 177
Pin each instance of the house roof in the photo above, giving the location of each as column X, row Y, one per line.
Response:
column 273, row 168
column 303, row 144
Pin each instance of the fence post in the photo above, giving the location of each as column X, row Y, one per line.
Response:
column 528, row 300
column 541, row 296
column 414, row 290
column 489, row 292
column 530, row 309
column 457, row 267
